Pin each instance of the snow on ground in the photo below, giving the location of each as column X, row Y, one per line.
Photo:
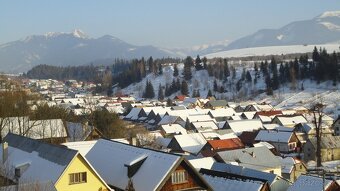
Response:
column 272, row 50
column 284, row 98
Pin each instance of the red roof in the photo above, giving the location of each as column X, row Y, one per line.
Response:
column 226, row 144
column 180, row 97
column 269, row 113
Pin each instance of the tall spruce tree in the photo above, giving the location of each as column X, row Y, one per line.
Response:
column 149, row 91
column 175, row 70
column 184, row 88
column 160, row 92
column 188, row 63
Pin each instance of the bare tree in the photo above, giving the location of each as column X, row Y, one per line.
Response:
column 317, row 110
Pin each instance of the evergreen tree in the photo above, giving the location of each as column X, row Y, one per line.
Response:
column 188, row 63
column 198, row 93
column 194, row 94
column 175, row 70
column 160, row 69
column 178, row 85
column 167, row 90
column 198, row 64
column 149, row 91
column 226, row 68
column 205, row 61
column 169, row 102
column 209, row 93
column 215, row 86
column 151, row 65
column 233, row 75
column 160, row 92
column 273, row 66
column 248, row 77
column 315, row 55
column 184, row 88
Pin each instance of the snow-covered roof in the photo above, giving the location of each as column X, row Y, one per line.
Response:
column 133, row 113
column 223, row 112
column 205, row 162
column 82, row 146
column 244, row 125
column 287, row 164
column 39, row 161
column 173, row 129
column 259, row 158
column 111, row 158
column 291, row 120
column 264, row 144
column 78, row 131
column 35, row 129
column 310, row 183
column 197, row 118
column 274, row 136
column 249, row 114
column 222, row 184
column 168, row 119
column 192, row 143
column 202, row 126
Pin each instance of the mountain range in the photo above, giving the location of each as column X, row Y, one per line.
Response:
column 76, row 48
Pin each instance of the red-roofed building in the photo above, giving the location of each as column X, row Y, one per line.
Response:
column 213, row 146
column 180, row 97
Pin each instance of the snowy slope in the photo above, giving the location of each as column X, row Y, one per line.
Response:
column 272, row 50
column 322, row 29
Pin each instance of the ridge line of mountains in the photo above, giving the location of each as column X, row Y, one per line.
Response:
column 76, row 48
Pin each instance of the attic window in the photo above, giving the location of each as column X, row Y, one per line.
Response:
column 135, row 164
column 77, row 178
column 179, row 177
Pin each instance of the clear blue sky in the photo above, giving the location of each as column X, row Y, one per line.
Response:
column 171, row 23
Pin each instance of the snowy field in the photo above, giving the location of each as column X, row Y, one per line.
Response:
column 272, row 50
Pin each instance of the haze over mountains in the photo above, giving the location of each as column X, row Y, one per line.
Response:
column 64, row 49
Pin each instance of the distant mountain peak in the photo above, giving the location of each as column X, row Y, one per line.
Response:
column 329, row 14
column 79, row 34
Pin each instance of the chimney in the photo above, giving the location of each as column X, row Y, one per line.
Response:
column 133, row 141
column 4, row 152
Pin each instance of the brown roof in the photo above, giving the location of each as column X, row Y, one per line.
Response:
column 248, row 137
column 269, row 113
column 226, row 144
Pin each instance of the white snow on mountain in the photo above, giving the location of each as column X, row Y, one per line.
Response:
column 330, row 26
column 329, row 14
column 272, row 50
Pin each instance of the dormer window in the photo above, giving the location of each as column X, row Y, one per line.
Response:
column 179, row 177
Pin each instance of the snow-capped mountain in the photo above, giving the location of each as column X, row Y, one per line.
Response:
column 63, row 49
column 322, row 29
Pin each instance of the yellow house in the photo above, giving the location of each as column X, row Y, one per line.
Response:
column 26, row 161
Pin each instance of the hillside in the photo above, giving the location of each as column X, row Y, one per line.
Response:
column 284, row 97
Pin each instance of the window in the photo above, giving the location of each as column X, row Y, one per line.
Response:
column 179, row 176
column 77, row 178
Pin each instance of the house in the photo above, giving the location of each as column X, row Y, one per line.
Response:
column 82, row 132
column 305, row 131
column 240, row 126
column 191, row 143
column 133, row 114
column 172, row 129
column 283, row 141
column 222, row 114
column 259, row 107
column 289, row 120
column 203, row 126
column 292, row 168
column 179, row 98
column 213, row 146
column 221, row 181
column 258, row 158
column 276, row 182
column 216, row 104
column 336, row 127
column 197, row 118
column 32, row 161
column 330, row 149
column 169, row 119
column 267, row 116
column 314, row 183
column 122, row 166
column 247, row 114
column 326, row 120
column 50, row 130
column 248, row 137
